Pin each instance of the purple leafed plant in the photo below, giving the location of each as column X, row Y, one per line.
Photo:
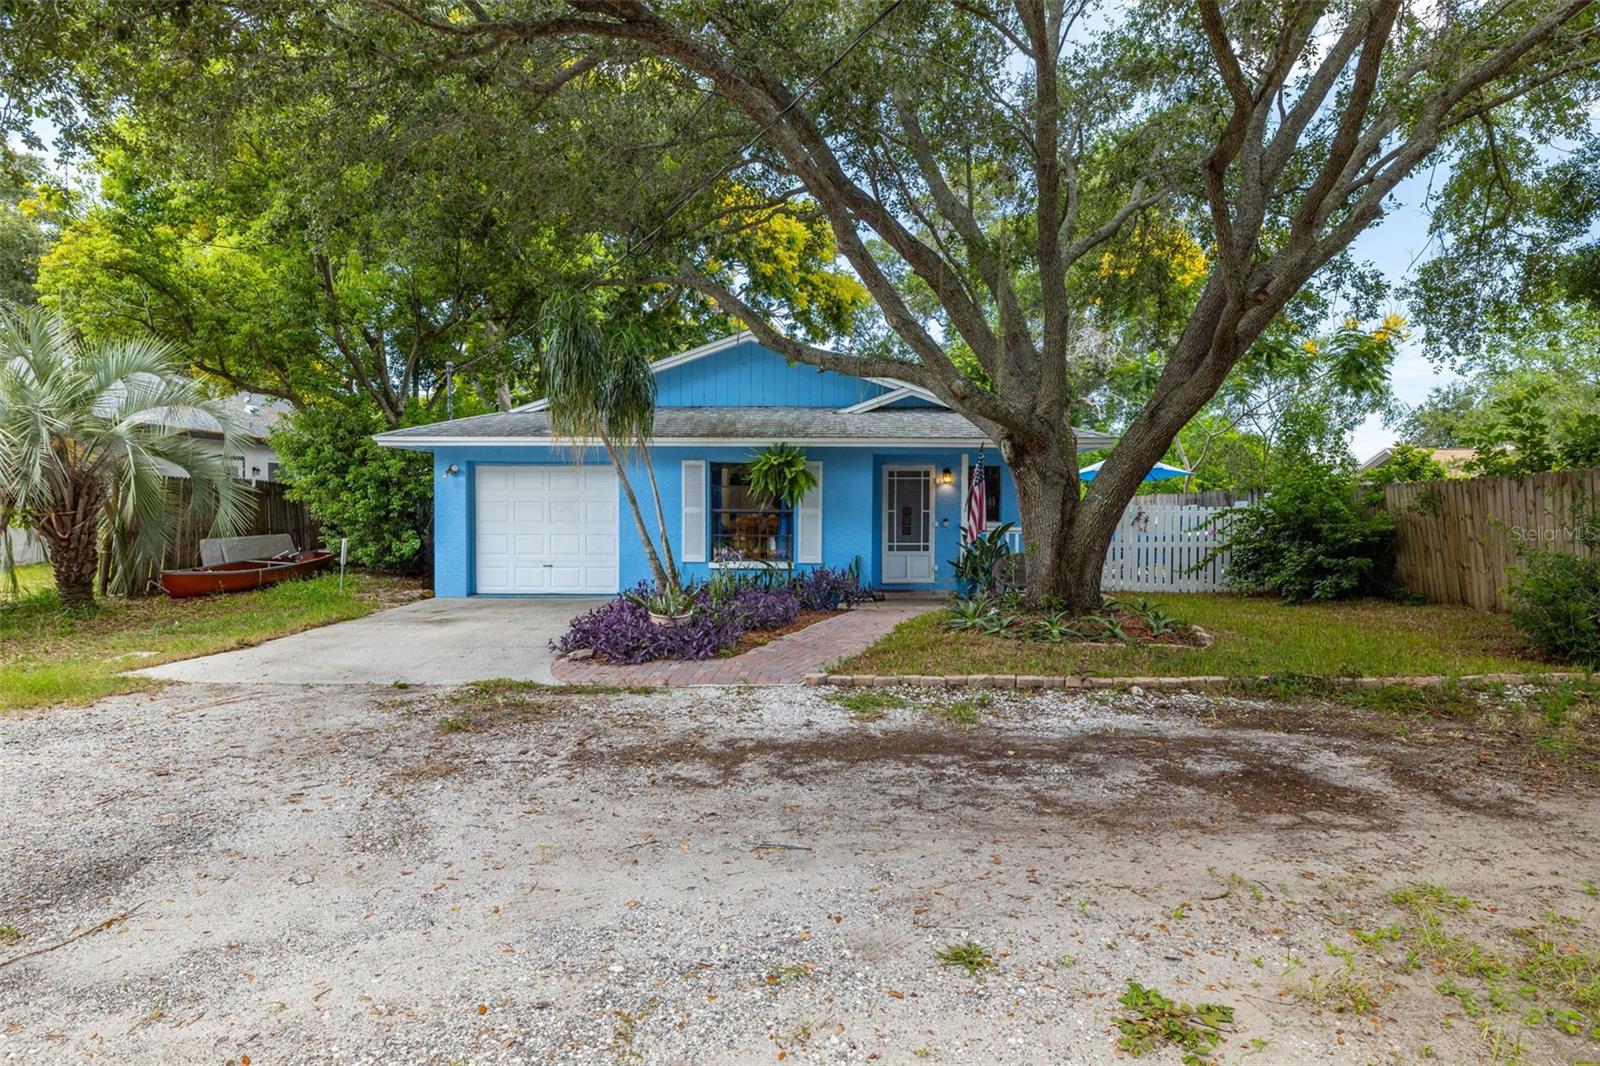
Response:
column 620, row 631
column 765, row 608
column 824, row 588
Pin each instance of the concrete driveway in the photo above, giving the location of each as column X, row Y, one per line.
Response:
column 430, row 642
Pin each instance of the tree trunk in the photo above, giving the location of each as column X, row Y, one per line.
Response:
column 1058, row 568
column 664, row 580
column 661, row 514
column 72, row 534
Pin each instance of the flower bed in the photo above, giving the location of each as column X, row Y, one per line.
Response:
column 728, row 614
column 1117, row 622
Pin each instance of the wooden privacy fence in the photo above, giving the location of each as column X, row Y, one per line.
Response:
column 274, row 512
column 1457, row 540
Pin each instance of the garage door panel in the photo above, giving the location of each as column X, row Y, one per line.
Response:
column 526, row 479
column 530, row 512
column 546, row 529
column 492, row 511
column 494, row 578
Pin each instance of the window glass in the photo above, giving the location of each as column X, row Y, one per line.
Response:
column 744, row 526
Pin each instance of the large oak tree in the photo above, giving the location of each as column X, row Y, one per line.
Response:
column 986, row 153
column 986, row 169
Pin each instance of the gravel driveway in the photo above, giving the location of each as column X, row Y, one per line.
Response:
column 350, row 874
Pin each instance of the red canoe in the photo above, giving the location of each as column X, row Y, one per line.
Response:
column 245, row 574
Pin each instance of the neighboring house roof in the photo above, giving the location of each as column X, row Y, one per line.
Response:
column 729, row 425
column 255, row 414
column 1452, row 459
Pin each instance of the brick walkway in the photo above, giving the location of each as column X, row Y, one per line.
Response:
column 785, row 661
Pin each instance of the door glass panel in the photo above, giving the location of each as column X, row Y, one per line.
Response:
column 909, row 521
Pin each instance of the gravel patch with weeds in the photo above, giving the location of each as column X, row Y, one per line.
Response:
column 331, row 875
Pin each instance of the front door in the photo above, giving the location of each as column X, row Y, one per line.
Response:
column 908, row 525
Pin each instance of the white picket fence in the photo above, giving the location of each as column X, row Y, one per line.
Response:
column 1161, row 549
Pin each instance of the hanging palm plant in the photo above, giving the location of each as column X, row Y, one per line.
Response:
column 779, row 473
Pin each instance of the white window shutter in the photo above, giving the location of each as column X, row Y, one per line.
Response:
column 808, row 521
column 692, row 548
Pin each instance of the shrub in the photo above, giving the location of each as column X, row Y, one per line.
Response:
column 826, row 589
column 1306, row 540
column 1555, row 601
column 381, row 498
column 620, row 630
column 761, row 609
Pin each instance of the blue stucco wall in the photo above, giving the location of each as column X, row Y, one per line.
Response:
column 852, row 505
column 748, row 375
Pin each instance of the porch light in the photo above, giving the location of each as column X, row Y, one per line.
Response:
column 947, row 478
column 452, row 470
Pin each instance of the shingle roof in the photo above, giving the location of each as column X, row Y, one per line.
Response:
column 727, row 423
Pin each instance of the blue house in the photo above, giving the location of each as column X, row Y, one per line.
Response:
column 519, row 510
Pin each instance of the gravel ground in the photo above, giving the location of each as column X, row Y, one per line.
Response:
column 332, row 875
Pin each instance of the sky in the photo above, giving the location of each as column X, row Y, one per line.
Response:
column 1397, row 244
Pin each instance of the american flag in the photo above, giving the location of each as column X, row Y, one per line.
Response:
column 977, row 501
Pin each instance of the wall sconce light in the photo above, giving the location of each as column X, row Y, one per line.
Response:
column 452, row 470
column 947, row 478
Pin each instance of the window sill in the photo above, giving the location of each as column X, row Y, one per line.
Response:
column 753, row 564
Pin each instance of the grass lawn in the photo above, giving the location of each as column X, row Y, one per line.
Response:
column 1253, row 636
column 53, row 656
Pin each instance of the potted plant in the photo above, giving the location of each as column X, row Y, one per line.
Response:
column 666, row 606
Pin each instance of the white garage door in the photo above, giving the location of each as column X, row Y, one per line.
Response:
column 546, row 529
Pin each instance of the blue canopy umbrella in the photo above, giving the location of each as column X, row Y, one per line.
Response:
column 1159, row 472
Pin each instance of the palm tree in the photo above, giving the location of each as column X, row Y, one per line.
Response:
column 90, row 432
column 601, row 387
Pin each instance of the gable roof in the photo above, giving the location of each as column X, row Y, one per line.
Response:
column 930, row 427
column 732, row 340
column 899, row 389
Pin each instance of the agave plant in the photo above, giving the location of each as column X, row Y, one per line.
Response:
column 89, row 434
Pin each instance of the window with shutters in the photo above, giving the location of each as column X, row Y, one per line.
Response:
column 745, row 528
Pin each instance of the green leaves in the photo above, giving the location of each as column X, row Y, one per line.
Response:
column 91, row 431
column 1153, row 1021
column 381, row 498
column 778, row 472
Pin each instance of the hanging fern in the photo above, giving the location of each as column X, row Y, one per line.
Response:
column 779, row 473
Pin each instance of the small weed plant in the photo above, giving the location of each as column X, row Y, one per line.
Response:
column 1151, row 1022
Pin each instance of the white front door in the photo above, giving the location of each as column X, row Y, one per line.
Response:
column 546, row 529
column 908, row 525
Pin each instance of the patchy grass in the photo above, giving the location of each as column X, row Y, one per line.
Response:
column 959, row 712
column 1530, row 976
column 1252, row 637
column 483, row 705
column 969, row 955
column 1151, row 1021
column 868, row 705
column 50, row 655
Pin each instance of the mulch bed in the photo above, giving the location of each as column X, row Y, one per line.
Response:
column 757, row 638
column 1138, row 630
